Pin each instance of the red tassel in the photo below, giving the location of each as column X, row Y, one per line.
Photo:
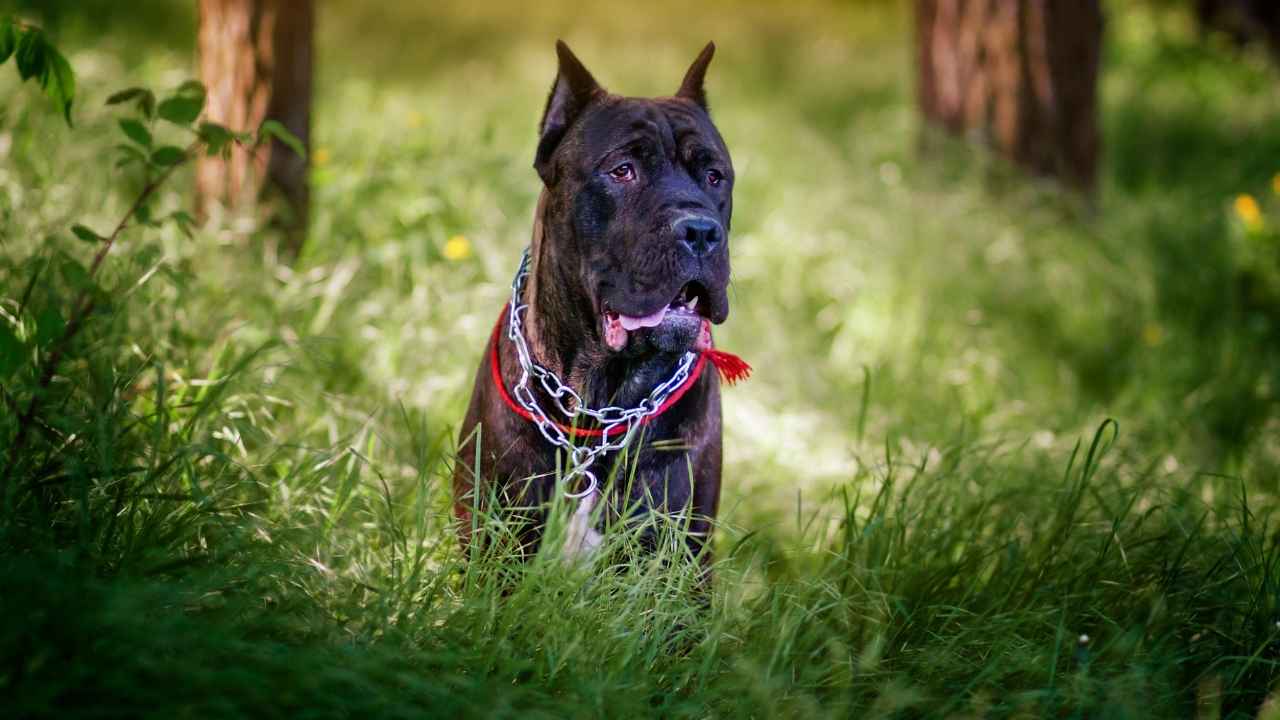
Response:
column 732, row 368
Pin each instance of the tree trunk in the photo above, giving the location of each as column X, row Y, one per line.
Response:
column 255, row 60
column 1021, row 73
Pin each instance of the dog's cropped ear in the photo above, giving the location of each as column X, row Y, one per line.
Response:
column 691, row 88
column 572, row 91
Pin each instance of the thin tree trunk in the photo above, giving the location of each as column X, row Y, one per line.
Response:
column 255, row 60
column 1020, row 73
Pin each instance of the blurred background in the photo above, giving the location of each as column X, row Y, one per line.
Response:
column 966, row 234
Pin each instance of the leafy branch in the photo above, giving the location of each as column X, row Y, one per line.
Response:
column 38, row 59
column 182, row 108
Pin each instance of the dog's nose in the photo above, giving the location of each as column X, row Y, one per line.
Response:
column 702, row 235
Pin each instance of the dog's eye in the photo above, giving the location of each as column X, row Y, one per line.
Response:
column 625, row 172
column 715, row 177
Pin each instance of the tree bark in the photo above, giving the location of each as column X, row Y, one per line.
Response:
column 255, row 61
column 1023, row 74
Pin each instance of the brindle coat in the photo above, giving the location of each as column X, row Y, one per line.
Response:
column 619, row 176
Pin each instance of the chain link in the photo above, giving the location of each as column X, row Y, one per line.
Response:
column 581, row 457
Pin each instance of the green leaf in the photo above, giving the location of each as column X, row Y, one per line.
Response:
column 8, row 39
column 146, row 100
column 185, row 105
column 30, row 54
column 60, row 82
column 149, row 254
column 136, row 131
column 180, row 111
column 131, row 154
column 126, row 95
column 12, row 352
column 147, row 104
column 192, row 88
column 86, row 234
column 49, row 326
column 168, row 155
column 185, row 222
column 75, row 274
column 273, row 129
column 215, row 137
column 38, row 59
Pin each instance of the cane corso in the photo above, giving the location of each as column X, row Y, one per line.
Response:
column 629, row 267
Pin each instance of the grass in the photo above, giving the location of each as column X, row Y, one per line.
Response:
column 986, row 420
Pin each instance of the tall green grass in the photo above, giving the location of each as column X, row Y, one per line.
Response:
column 237, row 500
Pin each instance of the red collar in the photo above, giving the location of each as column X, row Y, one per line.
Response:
column 732, row 368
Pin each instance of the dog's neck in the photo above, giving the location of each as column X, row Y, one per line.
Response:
column 564, row 331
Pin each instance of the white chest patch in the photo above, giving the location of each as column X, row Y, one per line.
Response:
column 581, row 540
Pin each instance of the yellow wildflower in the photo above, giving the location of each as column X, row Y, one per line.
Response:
column 1275, row 183
column 457, row 248
column 320, row 157
column 414, row 119
column 1248, row 211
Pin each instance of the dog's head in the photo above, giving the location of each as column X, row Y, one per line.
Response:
column 640, row 194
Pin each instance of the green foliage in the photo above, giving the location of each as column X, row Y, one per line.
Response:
column 216, row 138
column 36, row 58
column 234, row 496
column 136, row 131
column 146, row 100
column 86, row 234
column 273, row 129
column 12, row 352
column 184, row 105
column 167, row 156
column 8, row 39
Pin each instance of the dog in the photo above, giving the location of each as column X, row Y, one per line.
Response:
column 627, row 270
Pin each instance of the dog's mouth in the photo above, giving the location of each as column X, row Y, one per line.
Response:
column 679, row 325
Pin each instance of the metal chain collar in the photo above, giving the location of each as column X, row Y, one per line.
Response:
column 609, row 418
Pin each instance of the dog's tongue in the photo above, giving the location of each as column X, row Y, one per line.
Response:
column 616, row 326
column 635, row 323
